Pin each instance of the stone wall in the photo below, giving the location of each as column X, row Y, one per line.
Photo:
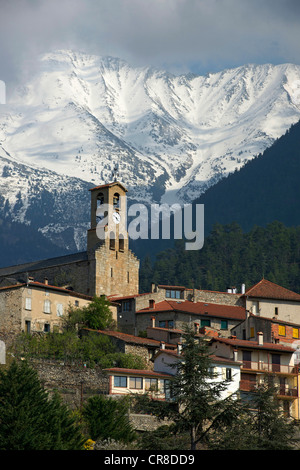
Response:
column 74, row 383
column 10, row 314
column 223, row 298
column 142, row 422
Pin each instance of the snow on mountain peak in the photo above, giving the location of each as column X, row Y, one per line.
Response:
column 172, row 136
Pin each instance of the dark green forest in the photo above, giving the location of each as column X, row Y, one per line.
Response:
column 265, row 189
column 230, row 257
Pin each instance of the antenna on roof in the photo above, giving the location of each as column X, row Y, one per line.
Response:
column 115, row 172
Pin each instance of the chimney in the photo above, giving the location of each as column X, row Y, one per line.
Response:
column 152, row 287
column 179, row 348
column 243, row 290
column 153, row 322
column 235, row 355
column 46, row 281
column 260, row 338
column 162, row 345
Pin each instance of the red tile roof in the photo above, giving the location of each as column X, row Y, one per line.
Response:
column 134, row 339
column 197, row 308
column 268, row 290
column 47, row 286
column 241, row 343
column 148, row 373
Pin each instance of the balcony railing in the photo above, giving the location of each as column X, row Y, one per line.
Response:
column 283, row 390
column 271, row 368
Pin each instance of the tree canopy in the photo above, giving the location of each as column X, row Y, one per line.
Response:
column 29, row 418
column 229, row 258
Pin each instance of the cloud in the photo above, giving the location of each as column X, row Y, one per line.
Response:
column 202, row 35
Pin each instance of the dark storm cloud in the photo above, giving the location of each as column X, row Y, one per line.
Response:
column 200, row 34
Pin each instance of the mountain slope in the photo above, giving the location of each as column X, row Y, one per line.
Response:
column 80, row 114
column 264, row 190
column 173, row 137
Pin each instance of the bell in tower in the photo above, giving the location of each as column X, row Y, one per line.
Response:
column 108, row 215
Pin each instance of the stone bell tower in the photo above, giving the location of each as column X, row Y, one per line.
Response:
column 113, row 268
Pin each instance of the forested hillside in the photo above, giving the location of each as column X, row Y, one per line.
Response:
column 265, row 189
column 230, row 257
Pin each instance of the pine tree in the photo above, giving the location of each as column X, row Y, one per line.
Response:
column 200, row 407
column 29, row 419
column 107, row 418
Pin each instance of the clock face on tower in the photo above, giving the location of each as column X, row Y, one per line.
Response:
column 116, row 217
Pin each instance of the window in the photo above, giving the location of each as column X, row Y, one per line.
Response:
column 151, row 384
column 251, row 332
column 100, row 199
column 100, row 213
column 173, row 294
column 120, row 381
column 224, row 324
column 28, row 303
column 27, row 326
column 46, row 328
column 112, row 241
column 121, row 243
column 247, row 359
column 126, row 306
column 167, row 388
column 136, row 382
column 116, row 201
column 59, row 310
column 296, row 333
column 276, row 310
column 205, row 323
column 228, row 373
column 76, row 303
column 47, row 306
column 281, row 330
column 166, row 324
column 255, row 307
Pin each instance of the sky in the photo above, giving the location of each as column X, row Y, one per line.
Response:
column 181, row 36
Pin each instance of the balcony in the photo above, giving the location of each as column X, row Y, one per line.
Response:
column 283, row 390
column 269, row 368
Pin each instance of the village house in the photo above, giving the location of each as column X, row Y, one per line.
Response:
column 260, row 360
column 35, row 307
column 172, row 314
column 130, row 381
column 270, row 300
column 157, row 382
column 272, row 310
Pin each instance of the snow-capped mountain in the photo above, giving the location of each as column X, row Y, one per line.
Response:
column 171, row 136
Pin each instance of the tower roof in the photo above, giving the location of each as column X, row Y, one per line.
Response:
column 108, row 185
